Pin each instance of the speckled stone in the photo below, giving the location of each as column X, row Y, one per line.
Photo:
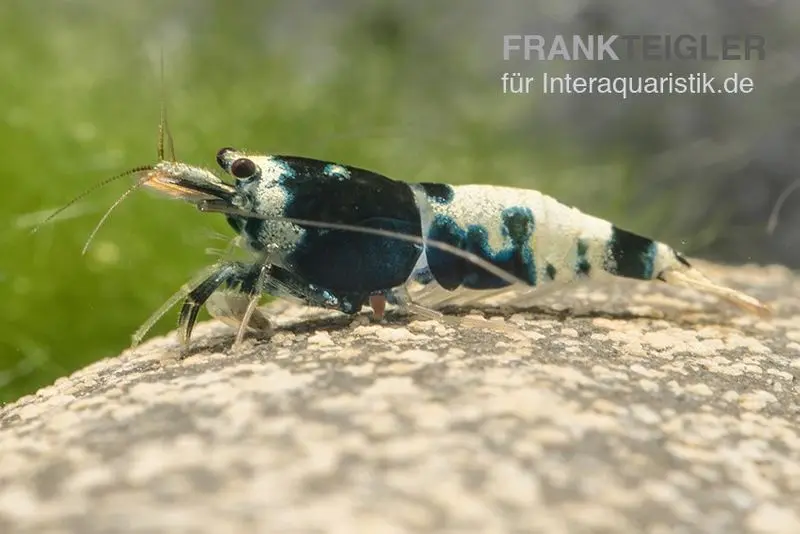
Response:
column 633, row 408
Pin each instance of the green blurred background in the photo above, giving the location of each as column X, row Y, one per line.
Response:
column 410, row 90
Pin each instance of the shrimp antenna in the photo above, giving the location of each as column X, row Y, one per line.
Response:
column 163, row 125
column 113, row 206
column 773, row 218
column 89, row 191
column 165, row 140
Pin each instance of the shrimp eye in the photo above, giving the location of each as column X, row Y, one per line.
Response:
column 221, row 159
column 243, row 168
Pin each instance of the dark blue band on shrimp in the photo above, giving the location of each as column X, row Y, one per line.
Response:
column 303, row 188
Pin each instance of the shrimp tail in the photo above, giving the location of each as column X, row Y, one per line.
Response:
column 686, row 276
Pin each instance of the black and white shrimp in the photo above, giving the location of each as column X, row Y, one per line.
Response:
column 342, row 237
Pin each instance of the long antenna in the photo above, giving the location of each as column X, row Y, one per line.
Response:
column 163, row 125
column 111, row 208
column 89, row 191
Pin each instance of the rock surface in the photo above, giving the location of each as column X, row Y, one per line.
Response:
column 636, row 409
